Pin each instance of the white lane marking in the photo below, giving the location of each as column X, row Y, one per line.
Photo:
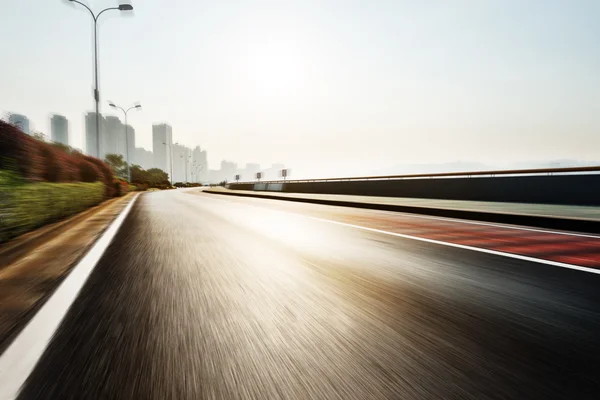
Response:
column 506, row 226
column 462, row 246
column 439, row 242
column 462, row 221
column 19, row 359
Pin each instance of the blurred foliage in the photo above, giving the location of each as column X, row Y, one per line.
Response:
column 143, row 179
column 187, row 184
column 26, row 206
column 89, row 172
column 121, row 187
column 63, row 147
column 117, row 164
column 40, row 136
column 106, row 174
column 152, row 178
column 42, row 182
column 35, row 160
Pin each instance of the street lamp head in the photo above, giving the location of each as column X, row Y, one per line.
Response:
column 111, row 104
column 138, row 106
column 125, row 7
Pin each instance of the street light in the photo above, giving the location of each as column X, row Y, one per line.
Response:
column 185, row 163
column 193, row 167
column 198, row 169
column 137, row 106
column 121, row 7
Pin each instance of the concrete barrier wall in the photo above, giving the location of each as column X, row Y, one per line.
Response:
column 555, row 189
column 241, row 186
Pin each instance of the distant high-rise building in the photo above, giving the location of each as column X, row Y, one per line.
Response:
column 112, row 137
column 273, row 173
column 131, row 139
column 59, row 129
column 181, row 163
column 162, row 139
column 203, row 172
column 142, row 157
column 199, row 165
column 20, row 121
column 249, row 173
column 228, row 170
column 90, row 135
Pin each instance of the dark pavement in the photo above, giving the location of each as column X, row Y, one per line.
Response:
column 204, row 297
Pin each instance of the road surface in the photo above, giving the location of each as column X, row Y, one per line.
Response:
column 211, row 297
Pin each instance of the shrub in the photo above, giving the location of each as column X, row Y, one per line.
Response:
column 121, row 187
column 70, row 171
column 11, row 148
column 36, row 160
column 53, row 169
column 59, row 166
column 19, row 153
column 28, row 206
column 106, row 175
column 87, row 171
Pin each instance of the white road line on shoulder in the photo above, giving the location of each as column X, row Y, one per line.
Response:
column 462, row 246
column 20, row 358
column 449, row 219
column 438, row 242
column 505, row 226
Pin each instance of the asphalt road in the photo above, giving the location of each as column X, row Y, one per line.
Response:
column 206, row 297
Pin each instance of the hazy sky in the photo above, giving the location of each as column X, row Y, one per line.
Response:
column 336, row 86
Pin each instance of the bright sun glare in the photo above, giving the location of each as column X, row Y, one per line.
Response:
column 277, row 67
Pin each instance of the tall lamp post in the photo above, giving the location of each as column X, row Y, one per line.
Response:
column 121, row 7
column 192, row 168
column 185, row 159
column 197, row 168
column 138, row 106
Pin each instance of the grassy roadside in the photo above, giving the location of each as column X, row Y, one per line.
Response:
column 30, row 277
column 27, row 206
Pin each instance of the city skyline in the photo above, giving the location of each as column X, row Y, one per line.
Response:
column 354, row 87
column 146, row 158
column 21, row 121
column 59, row 129
column 113, row 142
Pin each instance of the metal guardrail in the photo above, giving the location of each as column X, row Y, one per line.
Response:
column 542, row 171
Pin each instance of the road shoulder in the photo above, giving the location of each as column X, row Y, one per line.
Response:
column 37, row 263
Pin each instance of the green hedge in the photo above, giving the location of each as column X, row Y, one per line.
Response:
column 26, row 206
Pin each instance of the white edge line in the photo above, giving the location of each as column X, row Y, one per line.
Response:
column 456, row 245
column 506, row 226
column 462, row 246
column 20, row 358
